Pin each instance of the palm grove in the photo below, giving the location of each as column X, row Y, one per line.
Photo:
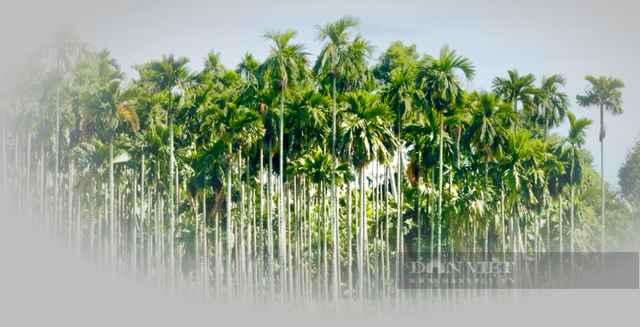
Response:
column 298, row 179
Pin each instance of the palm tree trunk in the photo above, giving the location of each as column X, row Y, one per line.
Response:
column 386, row 223
column 101, row 242
column 92, row 200
column 261, row 185
column 134, row 236
column 112, row 230
column 56, row 179
column 294, row 277
column 5, row 180
column 218, row 248
column 70, row 204
column 229, row 234
column 281, row 236
column 205, row 245
column 319, row 189
column 515, row 109
column 270, row 229
column 28, row 177
column 365, row 242
column 157, row 259
column 325, row 272
column 400, row 222
column 376, row 233
column 288, row 232
column 560, row 218
column 334, row 204
column 142, row 215
column 16, row 177
column 79, row 230
column 440, row 186
column 171, row 195
column 349, row 233
column 571, row 229
column 548, row 222
column 242, row 276
column 361, row 261
column 149, row 234
column 250, row 236
column 504, row 245
column 602, row 180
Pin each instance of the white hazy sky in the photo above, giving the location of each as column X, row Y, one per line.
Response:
column 574, row 38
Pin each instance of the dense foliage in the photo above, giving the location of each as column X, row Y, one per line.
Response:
column 300, row 178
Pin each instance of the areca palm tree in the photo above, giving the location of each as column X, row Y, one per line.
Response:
column 285, row 67
column 236, row 125
column 423, row 138
column 366, row 134
column 551, row 103
column 316, row 167
column 107, row 107
column 488, row 132
column 440, row 85
column 65, row 48
column 605, row 93
column 516, row 88
column 400, row 95
column 166, row 75
column 336, row 57
column 93, row 169
column 488, row 129
column 306, row 120
column 213, row 69
column 574, row 158
column 520, row 173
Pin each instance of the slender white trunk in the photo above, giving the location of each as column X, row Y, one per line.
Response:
column 205, row 246
column 92, row 200
column 325, row 268
column 171, row 195
column 261, row 185
column 560, row 218
column 5, row 180
column 361, row 236
column 229, row 234
column 79, row 230
column 112, row 230
column 28, row 176
column 572, row 230
column 399, row 241
column 56, row 180
column 602, row 244
column 270, row 230
column 142, row 214
column 334, row 204
column 281, row 236
column 440, row 186
column 349, row 233
column 70, row 204
column 386, row 223
column 134, row 229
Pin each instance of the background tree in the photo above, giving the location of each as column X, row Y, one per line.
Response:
column 629, row 175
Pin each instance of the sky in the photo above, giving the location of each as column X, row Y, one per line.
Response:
column 541, row 37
